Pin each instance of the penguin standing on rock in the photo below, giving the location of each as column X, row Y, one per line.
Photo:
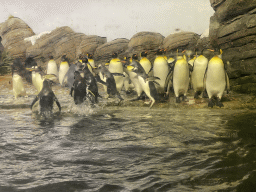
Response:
column 216, row 80
column 17, row 82
column 64, row 66
column 115, row 66
column 180, row 78
column 145, row 63
column 160, row 69
column 147, row 83
column 46, row 99
column 90, row 62
column 52, row 67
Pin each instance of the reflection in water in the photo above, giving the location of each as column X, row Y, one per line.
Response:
column 127, row 149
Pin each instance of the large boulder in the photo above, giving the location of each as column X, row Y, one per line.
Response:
column 90, row 43
column 13, row 31
column 104, row 52
column 144, row 41
column 180, row 40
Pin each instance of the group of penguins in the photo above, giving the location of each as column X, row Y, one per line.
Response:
column 205, row 73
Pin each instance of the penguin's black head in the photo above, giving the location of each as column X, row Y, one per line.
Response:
column 30, row 62
column 114, row 55
column 84, row 60
column 144, row 54
column 135, row 56
column 90, row 56
column 159, row 51
column 50, row 57
column 64, row 58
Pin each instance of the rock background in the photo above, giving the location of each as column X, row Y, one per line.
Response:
column 233, row 29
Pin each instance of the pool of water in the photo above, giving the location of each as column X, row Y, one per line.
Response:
column 124, row 148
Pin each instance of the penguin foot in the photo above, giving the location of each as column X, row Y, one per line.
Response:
column 219, row 103
column 211, row 103
column 177, row 99
column 205, row 95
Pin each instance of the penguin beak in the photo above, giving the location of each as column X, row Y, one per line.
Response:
column 30, row 69
column 107, row 64
column 130, row 68
column 221, row 51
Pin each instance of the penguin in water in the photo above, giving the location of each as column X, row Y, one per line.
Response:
column 70, row 76
column 79, row 88
column 17, row 82
column 110, row 81
column 197, row 75
column 46, row 99
column 128, row 86
column 161, row 70
column 216, row 79
column 180, row 77
column 92, row 87
column 37, row 77
column 145, row 63
column 147, row 84
column 64, row 66
column 52, row 66
column 115, row 66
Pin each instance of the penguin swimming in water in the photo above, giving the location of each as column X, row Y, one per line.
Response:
column 63, row 69
column 52, row 67
column 216, row 80
column 115, row 66
column 46, row 99
column 17, row 84
column 79, row 88
column 110, row 81
column 180, row 78
column 197, row 75
column 147, row 84
column 161, row 70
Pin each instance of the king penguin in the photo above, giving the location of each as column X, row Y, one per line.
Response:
column 147, row 85
column 52, row 66
column 161, row 70
column 17, row 82
column 37, row 78
column 216, row 79
column 180, row 78
column 64, row 66
column 46, row 99
column 145, row 63
column 115, row 66
column 197, row 75
column 90, row 62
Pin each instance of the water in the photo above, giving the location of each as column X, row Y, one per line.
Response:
column 124, row 148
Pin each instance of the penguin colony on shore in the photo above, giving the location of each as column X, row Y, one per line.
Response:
column 205, row 73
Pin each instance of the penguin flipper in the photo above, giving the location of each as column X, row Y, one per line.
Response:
column 57, row 102
column 98, row 79
column 118, row 74
column 34, row 101
column 227, row 82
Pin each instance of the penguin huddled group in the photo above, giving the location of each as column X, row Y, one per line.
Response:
column 205, row 73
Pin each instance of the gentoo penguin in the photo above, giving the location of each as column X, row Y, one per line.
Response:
column 90, row 62
column 79, row 88
column 63, row 69
column 216, row 79
column 180, row 78
column 147, row 84
column 110, row 81
column 197, row 75
column 52, row 67
column 92, row 87
column 134, row 79
column 161, row 70
column 145, row 63
column 17, row 84
column 46, row 99
column 115, row 66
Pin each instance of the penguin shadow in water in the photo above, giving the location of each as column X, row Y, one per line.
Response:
column 46, row 99
column 110, row 81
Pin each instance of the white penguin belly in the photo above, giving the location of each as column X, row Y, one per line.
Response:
column 117, row 67
column 215, row 81
column 145, row 63
column 180, row 78
column 18, row 86
column 103, row 79
column 62, row 72
column 160, row 70
column 52, row 68
column 135, row 81
column 197, row 75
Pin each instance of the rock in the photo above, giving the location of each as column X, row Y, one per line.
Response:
column 104, row 52
column 13, row 31
column 183, row 40
column 144, row 41
column 90, row 43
